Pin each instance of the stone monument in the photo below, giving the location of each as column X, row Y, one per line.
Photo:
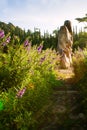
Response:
column 65, row 42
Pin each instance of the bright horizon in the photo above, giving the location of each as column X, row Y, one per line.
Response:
column 47, row 15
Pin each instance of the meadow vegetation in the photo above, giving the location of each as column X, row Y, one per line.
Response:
column 27, row 77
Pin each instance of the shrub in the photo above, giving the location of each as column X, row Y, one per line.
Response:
column 26, row 79
column 79, row 64
column 80, row 70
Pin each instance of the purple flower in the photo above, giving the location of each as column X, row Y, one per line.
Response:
column 21, row 92
column 2, row 34
column 4, row 44
column 8, row 39
column 26, row 43
column 40, row 48
column 42, row 59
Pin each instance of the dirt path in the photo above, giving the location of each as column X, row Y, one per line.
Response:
column 61, row 104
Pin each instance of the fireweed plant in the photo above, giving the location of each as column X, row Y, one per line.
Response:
column 26, row 79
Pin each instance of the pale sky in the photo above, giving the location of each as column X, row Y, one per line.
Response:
column 42, row 14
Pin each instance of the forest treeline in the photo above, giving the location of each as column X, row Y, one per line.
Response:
column 49, row 40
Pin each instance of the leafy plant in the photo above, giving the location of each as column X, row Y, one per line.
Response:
column 27, row 76
column 80, row 70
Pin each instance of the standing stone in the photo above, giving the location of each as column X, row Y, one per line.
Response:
column 65, row 42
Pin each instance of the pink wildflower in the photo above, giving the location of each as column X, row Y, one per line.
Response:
column 20, row 93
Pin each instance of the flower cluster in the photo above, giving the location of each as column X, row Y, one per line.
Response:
column 27, row 45
column 20, row 93
column 40, row 48
column 2, row 34
column 8, row 39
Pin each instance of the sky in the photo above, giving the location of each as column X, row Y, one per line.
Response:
column 47, row 15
